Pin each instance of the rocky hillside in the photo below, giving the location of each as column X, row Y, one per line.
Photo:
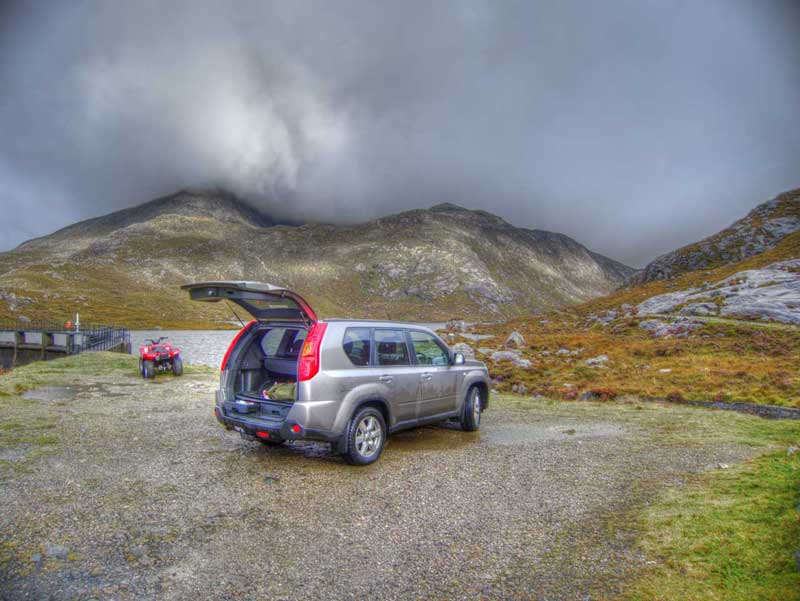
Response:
column 728, row 334
column 431, row 264
column 760, row 230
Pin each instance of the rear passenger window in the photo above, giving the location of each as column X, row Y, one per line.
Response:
column 356, row 345
column 283, row 342
column 272, row 341
column 391, row 347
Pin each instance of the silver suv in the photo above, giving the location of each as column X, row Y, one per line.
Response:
column 289, row 375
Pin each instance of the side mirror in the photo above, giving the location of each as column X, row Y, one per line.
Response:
column 458, row 359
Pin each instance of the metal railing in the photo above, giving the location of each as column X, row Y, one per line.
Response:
column 89, row 337
column 103, row 338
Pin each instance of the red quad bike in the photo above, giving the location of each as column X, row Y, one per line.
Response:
column 157, row 355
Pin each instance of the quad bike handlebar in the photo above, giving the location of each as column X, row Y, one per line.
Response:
column 153, row 341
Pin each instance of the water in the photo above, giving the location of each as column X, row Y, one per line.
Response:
column 198, row 347
column 201, row 347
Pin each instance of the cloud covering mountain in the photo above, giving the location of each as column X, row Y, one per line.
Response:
column 657, row 122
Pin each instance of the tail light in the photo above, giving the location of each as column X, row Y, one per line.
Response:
column 233, row 344
column 309, row 356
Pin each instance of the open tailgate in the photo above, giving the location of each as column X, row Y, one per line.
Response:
column 264, row 302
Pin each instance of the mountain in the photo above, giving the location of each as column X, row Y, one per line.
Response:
column 425, row 264
column 760, row 230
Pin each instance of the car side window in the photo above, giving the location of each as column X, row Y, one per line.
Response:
column 428, row 350
column 391, row 347
column 356, row 344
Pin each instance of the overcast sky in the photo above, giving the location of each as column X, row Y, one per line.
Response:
column 632, row 126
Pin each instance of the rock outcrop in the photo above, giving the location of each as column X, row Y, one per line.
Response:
column 760, row 230
column 771, row 293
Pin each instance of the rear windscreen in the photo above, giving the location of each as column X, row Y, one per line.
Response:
column 272, row 303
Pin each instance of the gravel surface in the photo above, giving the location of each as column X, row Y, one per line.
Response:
column 147, row 497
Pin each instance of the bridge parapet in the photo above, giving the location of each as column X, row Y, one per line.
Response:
column 23, row 342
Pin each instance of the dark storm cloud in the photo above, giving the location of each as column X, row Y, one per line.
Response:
column 633, row 126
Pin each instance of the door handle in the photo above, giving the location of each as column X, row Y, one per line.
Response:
column 386, row 379
column 426, row 376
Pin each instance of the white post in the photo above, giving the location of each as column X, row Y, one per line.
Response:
column 77, row 322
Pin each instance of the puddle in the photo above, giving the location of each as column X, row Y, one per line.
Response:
column 521, row 434
column 431, row 438
column 51, row 394
column 311, row 448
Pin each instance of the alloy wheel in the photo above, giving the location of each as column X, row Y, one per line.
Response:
column 369, row 435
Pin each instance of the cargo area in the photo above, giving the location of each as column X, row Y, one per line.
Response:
column 267, row 368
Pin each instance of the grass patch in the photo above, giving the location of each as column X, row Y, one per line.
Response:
column 720, row 361
column 43, row 373
column 730, row 535
column 725, row 535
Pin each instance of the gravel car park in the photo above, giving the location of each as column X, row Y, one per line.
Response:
column 139, row 494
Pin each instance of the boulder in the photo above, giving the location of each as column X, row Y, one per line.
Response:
column 600, row 359
column 519, row 388
column 464, row 349
column 458, row 325
column 515, row 340
column 679, row 328
column 504, row 356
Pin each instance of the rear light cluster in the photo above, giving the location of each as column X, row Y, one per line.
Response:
column 309, row 356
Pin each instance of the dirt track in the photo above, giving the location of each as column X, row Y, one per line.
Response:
column 145, row 496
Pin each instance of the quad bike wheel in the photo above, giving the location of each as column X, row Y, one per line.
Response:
column 148, row 369
column 177, row 366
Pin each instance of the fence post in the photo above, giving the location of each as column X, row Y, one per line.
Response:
column 17, row 341
column 47, row 340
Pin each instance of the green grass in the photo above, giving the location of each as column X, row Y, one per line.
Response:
column 727, row 534
column 731, row 534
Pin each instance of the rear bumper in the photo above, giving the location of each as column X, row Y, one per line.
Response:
column 284, row 429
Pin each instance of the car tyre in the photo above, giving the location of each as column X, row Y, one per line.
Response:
column 177, row 366
column 148, row 369
column 365, row 437
column 471, row 413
